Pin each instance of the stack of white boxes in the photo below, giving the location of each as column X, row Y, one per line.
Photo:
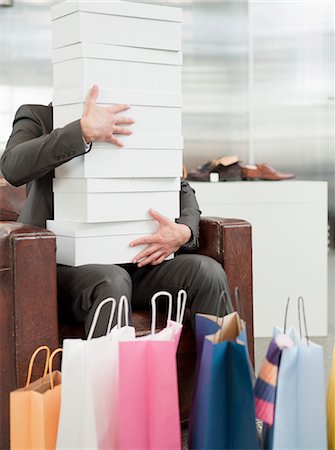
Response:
column 132, row 51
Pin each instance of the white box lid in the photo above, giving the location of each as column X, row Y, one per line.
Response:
column 116, row 52
column 110, row 96
column 80, row 229
column 95, row 185
column 119, row 8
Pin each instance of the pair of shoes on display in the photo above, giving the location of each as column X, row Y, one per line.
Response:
column 263, row 172
column 226, row 168
column 229, row 168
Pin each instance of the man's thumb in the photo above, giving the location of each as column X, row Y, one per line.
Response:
column 91, row 98
column 155, row 215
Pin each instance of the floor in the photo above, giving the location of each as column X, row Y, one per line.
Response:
column 328, row 342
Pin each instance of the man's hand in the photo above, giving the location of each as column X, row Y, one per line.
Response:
column 168, row 239
column 101, row 123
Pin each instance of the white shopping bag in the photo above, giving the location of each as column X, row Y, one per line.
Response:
column 77, row 424
column 103, row 368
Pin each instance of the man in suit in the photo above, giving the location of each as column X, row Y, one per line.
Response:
column 32, row 153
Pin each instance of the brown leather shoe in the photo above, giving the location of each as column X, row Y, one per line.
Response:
column 227, row 168
column 263, row 172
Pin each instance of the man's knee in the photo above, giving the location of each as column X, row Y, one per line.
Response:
column 207, row 281
column 206, row 269
column 113, row 277
column 110, row 281
column 101, row 281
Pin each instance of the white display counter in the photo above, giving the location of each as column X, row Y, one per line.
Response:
column 289, row 232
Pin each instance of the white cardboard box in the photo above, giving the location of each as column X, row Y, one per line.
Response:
column 116, row 52
column 114, row 206
column 149, row 120
column 123, row 163
column 116, row 22
column 102, row 243
column 111, row 96
column 95, row 185
column 119, row 75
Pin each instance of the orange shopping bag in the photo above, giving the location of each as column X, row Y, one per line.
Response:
column 34, row 409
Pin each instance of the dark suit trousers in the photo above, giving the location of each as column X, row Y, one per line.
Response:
column 81, row 289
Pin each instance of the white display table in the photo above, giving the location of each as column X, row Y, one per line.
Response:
column 289, row 232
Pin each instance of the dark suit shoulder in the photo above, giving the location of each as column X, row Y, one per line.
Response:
column 40, row 114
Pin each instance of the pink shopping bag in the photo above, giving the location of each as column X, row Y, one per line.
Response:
column 148, row 386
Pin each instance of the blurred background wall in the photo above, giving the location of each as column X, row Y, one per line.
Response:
column 258, row 80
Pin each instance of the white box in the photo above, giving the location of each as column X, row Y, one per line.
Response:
column 111, row 96
column 116, row 22
column 144, row 142
column 116, row 52
column 123, row 163
column 149, row 120
column 119, row 75
column 114, row 206
column 116, row 185
column 102, row 243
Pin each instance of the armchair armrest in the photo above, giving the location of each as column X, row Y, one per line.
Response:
column 228, row 241
column 28, row 303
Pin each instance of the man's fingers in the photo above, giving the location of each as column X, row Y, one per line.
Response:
column 150, row 259
column 91, row 98
column 159, row 260
column 121, row 130
column 119, row 108
column 115, row 141
column 145, row 253
column 121, row 120
column 152, row 239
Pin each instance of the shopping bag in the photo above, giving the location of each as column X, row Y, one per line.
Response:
column 300, row 416
column 331, row 406
column 223, row 412
column 103, row 368
column 148, row 386
column 267, row 380
column 77, row 424
column 34, row 409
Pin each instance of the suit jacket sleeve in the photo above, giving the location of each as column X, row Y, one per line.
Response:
column 30, row 153
column 189, row 214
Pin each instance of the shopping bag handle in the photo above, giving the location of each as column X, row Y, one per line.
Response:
column 53, row 354
column 301, row 306
column 181, row 305
column 32, row 360
column 97, row 313
column 239, row 304
column 225, row 299
column 123, row 303
column 153, row 307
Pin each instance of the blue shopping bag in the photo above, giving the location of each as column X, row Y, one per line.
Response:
column 223, row 411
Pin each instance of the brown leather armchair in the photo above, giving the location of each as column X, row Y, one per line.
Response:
column 28, row 302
